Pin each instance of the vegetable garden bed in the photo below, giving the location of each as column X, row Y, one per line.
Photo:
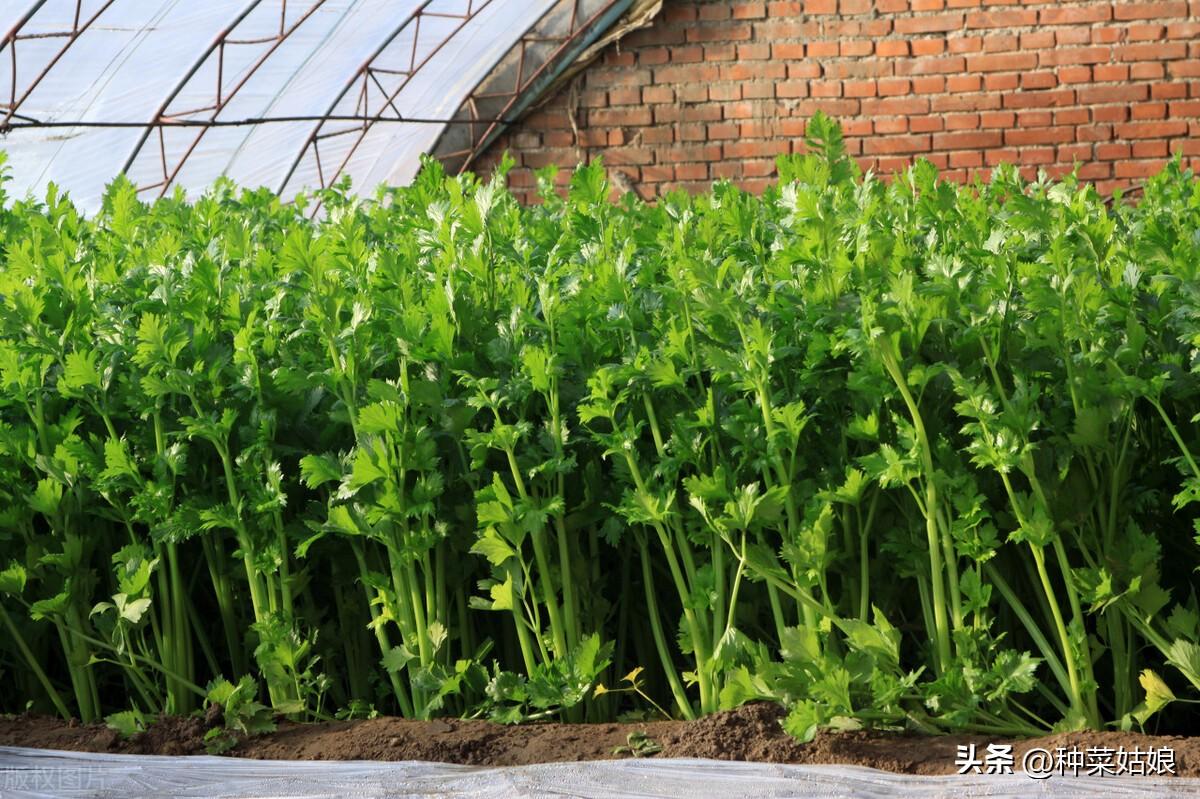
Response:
column 900, row 456
column 751, row 733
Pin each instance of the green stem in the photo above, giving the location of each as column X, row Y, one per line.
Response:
column 34, row 665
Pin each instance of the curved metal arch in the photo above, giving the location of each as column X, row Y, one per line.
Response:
column 221, row 97
column 575, row 38
column 14, row 35
column 364, row 75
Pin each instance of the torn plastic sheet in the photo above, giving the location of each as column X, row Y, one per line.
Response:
column 42, row 774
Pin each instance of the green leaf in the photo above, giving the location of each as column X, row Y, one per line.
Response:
column 12, row 579
column 316, row 470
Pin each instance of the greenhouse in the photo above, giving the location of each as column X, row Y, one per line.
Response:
column 599, row 398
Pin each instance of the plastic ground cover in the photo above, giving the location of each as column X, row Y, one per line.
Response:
column 42, row 774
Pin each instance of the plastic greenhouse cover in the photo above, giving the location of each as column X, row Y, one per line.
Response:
column 137, row 57
column 41, row 774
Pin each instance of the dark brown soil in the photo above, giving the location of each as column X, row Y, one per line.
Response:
column 751, row 732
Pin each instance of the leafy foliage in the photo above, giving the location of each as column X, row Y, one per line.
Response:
column 895, row 453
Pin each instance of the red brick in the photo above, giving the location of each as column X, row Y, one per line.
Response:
column 1070, row 153
column 1138, row 9
column 820, row 6
column 1038, row 80
column 1130, row 93
column 1072, row 116
column 756, row 9
column 615, row 77
column 988, row 101
column 1145, row 33
column 929, row 24
column 1075, row 55
column 928, row 85
column 999, row 43
column 891, row 47
column 1039, row 135
column 1151, row 51
column 724, row 92
column 857, row 47
column 1138, row 169
column 750, row 149
column 1148, row 71
column 1034, row 119
column 926, row 124
column 1074, row 74
column 1003, row 156
column 1110, row 113
column 893, row 86
column 1184, row 69
column 662, row 134
column 928, row 46
column 895, row 106
column 1003, row 62
column 997, row 119
column 891, row 145
column 720, row 52
column 1000, row 82
column 1038, row 40
column 1093, row 132
column 686, row 73
column 631, row 95
column 931, row 66
column 852, row 7
column 1148, row 111
column 791, row 89
column 653, row 56
column 967, row 140
column 927, row 5
column 893, row 125
column 692, row 54
column 858, row 88
column 1151, row 130
column 962, row 121
column 1110, row 73
column 961, row 159
column 1188, row 108
column 964, row 44
column 791, row 50
column 1094, row 170
column 1150, row 149
column 1076, row 15
column 619, row 116
column 753, row 52
column 1008, row 18
column 1053, row 98
column 964, row 83
column 1066, row 36
column 1035, row 155
column 737, row 32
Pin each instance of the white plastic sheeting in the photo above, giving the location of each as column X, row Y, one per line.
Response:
column 139, row 57
column 39, row 774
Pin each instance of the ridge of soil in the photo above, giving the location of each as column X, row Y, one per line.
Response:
column 751, row 732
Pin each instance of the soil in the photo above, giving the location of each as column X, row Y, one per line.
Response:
column 751, row 732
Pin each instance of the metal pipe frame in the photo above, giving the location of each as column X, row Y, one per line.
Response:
column 18, row 93
column 578, row 29
column 222, row 96
column 364, row 77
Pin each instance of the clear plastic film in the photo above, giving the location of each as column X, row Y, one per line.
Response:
column 345, row 88
column 42, row 774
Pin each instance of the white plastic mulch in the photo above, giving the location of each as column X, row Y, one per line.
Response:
column 42, row 774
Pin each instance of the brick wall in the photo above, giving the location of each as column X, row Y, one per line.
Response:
column 715, row 89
